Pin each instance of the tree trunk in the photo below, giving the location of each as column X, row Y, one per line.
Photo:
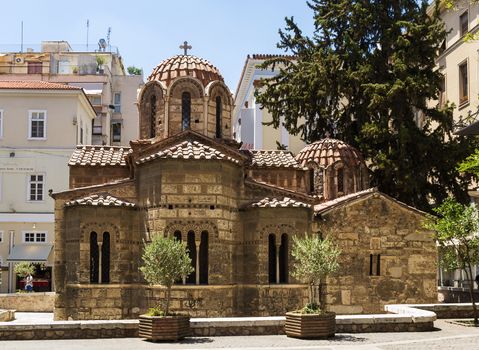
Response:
column 471, row 293
column 167, row 307
column 321, row 297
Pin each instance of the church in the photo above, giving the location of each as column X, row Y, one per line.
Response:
column 236, row 210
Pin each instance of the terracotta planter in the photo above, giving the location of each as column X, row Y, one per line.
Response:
column 310, row 325
column 158, row 328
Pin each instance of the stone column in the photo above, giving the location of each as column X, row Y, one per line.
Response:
column 167, row 116
column 277, row 261
column 197, row 265
column 205, row 114
column 99, row 261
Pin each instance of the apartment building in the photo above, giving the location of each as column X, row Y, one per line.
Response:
column 248, row 117
column 112, row 92
column 458, row 61
column 40, row 125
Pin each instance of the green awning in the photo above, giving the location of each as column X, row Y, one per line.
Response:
column 30, row 252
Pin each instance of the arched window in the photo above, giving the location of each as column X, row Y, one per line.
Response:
column 340, row 176
column 219, row 112
column 283, row 259
column 105, row 258
column 204, row 258
column 93, row 258
column 152, row 116
column 185, row 110
column 177, row 235
column 272, row 258
column 191, row 279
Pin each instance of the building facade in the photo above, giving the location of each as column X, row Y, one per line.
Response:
column 458, row 61
column 40, row 125
column 101, row 73
column 248, row 117
column 236, row 210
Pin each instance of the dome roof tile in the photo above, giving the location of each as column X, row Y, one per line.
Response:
column 328, row 151
column 185, row 65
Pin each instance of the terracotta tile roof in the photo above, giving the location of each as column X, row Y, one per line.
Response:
column 35, row 85
column 185, row 65
column 328, row 151
column 99, row 156
column 100, row 200
column 267, row 56
column 188, row 150
column 322, row 207
column 274, row 158
column 284, row 202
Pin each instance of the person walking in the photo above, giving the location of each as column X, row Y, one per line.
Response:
column 29, row 283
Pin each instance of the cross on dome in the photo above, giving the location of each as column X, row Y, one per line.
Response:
column 186, row 47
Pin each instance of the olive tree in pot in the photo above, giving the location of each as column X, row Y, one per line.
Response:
column 315, row 259
column 165, row 261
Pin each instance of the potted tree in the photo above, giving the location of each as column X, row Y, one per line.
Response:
column 100, row 61
column 165, row 261
column 315, row 259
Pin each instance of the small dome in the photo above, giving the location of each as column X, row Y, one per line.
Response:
column 328, row 151
column 185, row 65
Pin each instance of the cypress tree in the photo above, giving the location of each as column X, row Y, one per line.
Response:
column 367, row 76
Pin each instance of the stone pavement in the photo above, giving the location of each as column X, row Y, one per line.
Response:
column 447, row 336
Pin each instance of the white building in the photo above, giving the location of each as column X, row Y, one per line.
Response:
column 40, row 125
column 101, row 73
column 458, row 61
column 248, row 117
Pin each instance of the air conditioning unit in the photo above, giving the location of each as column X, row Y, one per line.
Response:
column 19, row 60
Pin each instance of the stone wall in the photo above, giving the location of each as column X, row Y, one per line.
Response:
column 81, row 176
column 456, row 295
column 379, row 227
column 100, row 302
column 28, row 302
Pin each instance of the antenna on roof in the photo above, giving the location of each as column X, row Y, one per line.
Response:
column 108, row 38
column 21, row 47
column 87, row 30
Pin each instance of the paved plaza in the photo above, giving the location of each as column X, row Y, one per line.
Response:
column 446, row 336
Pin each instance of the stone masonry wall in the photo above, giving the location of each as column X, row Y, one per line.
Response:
column 28, row 302
column 376, row 226
column 81, row 176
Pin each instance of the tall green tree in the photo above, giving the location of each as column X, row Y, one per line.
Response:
column 365, row 76
column 456, row 230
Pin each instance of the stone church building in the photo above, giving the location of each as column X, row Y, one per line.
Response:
column 236, row 210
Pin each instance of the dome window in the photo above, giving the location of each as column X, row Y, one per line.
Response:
column 219, row 113
column 185, row 110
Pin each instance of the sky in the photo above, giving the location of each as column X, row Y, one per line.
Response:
column 146, row 31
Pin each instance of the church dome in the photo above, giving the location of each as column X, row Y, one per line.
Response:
column 327, row 152
column 185, row 65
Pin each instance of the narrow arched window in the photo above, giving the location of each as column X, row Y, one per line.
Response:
column 105, row 258
column 204, row 258
column 177, row 235
column 191, row 279
column 272, row 258
column 340, row 176
column 185, row 110
column 152, row 116
column 283, row 259
column 94, row 258
column 219, row 112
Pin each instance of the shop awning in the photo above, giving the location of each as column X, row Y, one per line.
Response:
column 30, row 252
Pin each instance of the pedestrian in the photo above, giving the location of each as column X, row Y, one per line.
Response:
column 29, row 283
column 477, row 281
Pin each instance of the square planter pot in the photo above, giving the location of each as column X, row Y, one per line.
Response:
column 310, row 326
column 163, row 328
